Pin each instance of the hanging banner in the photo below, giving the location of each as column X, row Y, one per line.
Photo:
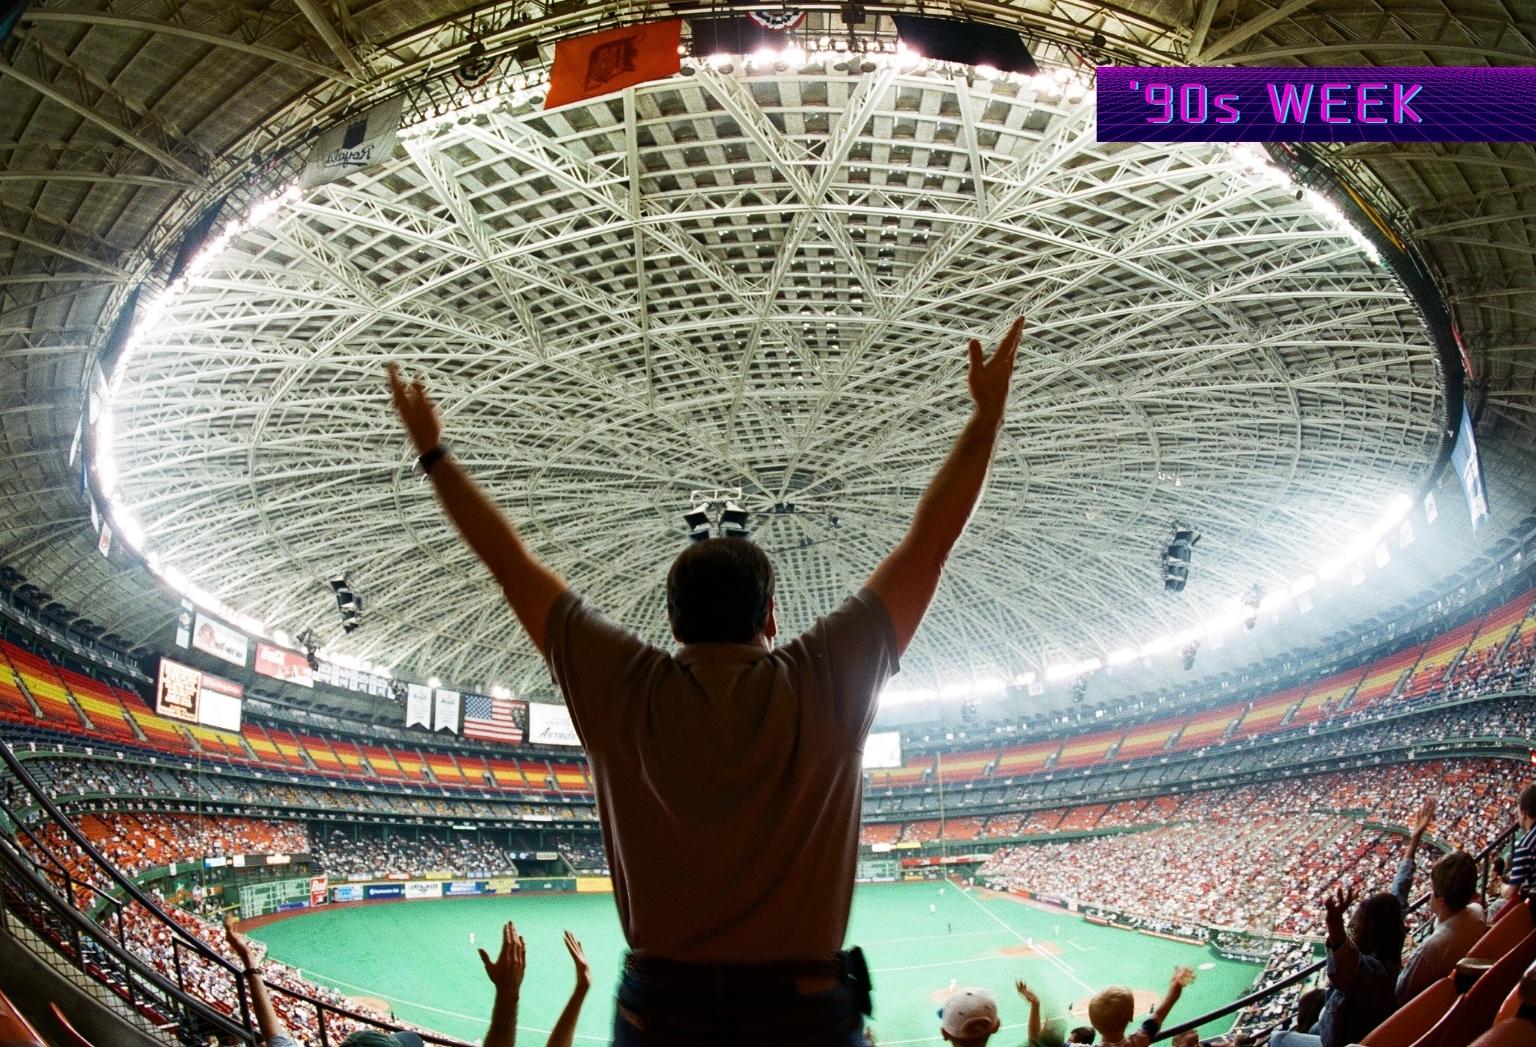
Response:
column 220, row 640
column 356, row 143
column 282, row 664
column 445, row 714
column 550, row 725
column 418, row 705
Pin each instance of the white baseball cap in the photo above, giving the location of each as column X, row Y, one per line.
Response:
column 969, row 1013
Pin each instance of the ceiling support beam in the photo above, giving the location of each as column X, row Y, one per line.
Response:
column 85, row 112
column 311, row 10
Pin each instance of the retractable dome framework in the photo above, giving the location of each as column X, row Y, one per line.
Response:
column 765, row 280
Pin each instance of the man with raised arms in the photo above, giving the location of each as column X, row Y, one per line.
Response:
column 727, row 773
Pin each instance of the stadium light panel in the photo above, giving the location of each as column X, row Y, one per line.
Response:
column 434, row 683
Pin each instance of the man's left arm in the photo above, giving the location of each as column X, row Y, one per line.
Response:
column 530, row 587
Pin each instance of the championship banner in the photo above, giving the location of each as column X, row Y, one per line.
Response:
column 359, row 142
column 219, row 640
column 550, row 724
column 282, row 664
column 601, row 63
column 445, row 712
column 418, row 705
column 177, row 690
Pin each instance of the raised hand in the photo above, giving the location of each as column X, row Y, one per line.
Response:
column 1426, row 815
column 989, row 380
column 1028, row 994
column 583, row 972
column 240, row 947
column 416, row 411
column 507, row 972
column 1183, row 977
column 1335, row 906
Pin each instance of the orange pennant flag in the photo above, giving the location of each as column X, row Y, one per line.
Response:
column 588, row 66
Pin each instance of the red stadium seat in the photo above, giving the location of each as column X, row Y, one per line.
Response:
column 1508, row 1034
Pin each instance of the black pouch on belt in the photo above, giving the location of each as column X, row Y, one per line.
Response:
column 856, row 977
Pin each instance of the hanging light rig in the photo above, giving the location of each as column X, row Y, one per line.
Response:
column 730, row 518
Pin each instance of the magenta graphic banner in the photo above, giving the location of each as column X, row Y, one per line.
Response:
column 1392, row 104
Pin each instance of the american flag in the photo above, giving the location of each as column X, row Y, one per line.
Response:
column 491, row 718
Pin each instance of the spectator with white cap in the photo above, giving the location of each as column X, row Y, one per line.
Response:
column 969, row 1018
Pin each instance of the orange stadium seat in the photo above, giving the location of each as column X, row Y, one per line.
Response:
column 288, row 746
column 915, row 771
column 411, row 763
column 1511, row 925
column 1268, row 714
column 382, row 761
column 1148, row 741
column 1207, row 728
column 1025, row 759
column 350, row 757
column 507, row 774
column 1438, row 656
column 1080, row 752
column 46, row 688
column 1475, row 1011
column 1409, row 1021
column 1382, row 677
column 321, row 754
column 443, row 768
column 71, row 1035
column 1324, row 697
column 16, row 1031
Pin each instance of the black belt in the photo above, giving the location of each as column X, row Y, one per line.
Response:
column 848, row 967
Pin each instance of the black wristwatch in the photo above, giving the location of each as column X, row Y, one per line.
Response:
column 425, row 462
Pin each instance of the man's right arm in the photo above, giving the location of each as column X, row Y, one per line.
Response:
column 909, row 576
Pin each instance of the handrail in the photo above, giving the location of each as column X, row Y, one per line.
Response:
column 1483, row 858
column 12, row 859
column 182, row 938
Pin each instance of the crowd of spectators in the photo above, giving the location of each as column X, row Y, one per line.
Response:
column 342, row 853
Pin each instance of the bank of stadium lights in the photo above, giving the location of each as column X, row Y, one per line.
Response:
column 1256, row 164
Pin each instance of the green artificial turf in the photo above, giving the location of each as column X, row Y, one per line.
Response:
column 417, row 956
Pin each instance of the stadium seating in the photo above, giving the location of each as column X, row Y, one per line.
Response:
column 1410, row 1021
column 1080, row 752
column 1268, row 714
column 1475, row 1011
column 70, row 1035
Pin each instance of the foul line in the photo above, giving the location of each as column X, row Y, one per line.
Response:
column 1063, row 968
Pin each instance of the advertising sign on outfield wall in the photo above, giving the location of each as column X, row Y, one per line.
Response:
column 375, row 891
column 458, row 888
column 347, row 892
column 423, row 889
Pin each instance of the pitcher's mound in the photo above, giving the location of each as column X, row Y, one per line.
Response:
column 1041, row 948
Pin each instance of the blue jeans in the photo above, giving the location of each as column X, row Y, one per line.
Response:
column 1292, row 1038
column 673, row 1014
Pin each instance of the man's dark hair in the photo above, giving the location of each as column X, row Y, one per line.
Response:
column 1499, row 865
column 1528, row 801
column 1081, row 1034
column 1454, row 878
column 719, row 591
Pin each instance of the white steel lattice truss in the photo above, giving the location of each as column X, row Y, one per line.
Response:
column 767, row 282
